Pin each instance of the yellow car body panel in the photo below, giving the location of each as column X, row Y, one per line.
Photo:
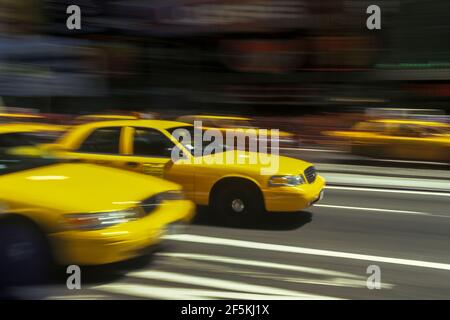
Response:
column 399, row 139
column 197, row 175
column 123, row 241
column 30, row 127
column 276, row 199
column 45, row 195
column 294, row 198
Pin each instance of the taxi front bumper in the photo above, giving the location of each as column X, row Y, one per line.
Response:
column 291, row 199
column 120, row 242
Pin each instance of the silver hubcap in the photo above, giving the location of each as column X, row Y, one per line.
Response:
column 237, row 205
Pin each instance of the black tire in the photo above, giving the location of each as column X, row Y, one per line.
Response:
column 237, row 202
column 24, row 253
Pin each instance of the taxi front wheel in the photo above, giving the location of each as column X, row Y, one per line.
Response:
column 238, row 202
column 24, row 253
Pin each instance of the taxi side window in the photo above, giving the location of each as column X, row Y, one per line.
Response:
column 405, row 130
column 208, row 123
column 151, row 143
column 102, row 141
column 431, row 131
column 186, row 120
column 370, row 127
column 15, row 140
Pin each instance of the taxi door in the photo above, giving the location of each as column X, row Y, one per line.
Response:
column 102, row 146
column 435, row 146
column 406, row 143
column 149, row 151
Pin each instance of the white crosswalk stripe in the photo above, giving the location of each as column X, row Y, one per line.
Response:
column 158, row 292
column 197, row 276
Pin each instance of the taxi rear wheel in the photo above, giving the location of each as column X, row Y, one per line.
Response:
column 24, row 253
column 237, row 202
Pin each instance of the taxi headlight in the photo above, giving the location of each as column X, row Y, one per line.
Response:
column 170, row 195
column 289, row 181
column 100, row 220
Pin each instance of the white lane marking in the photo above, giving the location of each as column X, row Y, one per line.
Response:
column 430, row 193
column 301, row 250
column 149, row 292
column 221, row 284
column 335, row 282
column 170, row 293
column 382, row 210
column 255, row 263
column 410, row 161
column 333, row 278
column 313, row 150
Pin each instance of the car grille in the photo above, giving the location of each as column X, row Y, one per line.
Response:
column 310, row 174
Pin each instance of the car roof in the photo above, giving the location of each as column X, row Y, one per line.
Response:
column 157, row 124
column 28, row 127
column 414, row 122
column 215, row 117
column 107, row 116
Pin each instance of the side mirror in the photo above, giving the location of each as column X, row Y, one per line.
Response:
column 168, row 164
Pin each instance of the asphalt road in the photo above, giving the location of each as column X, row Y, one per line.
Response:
column 321, row 253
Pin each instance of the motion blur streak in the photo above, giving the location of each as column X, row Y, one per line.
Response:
column 87, row 153
column 300, row 250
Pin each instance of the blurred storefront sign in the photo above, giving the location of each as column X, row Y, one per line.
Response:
column 263, row 55
column 430, row 89
column 288, row 55
column 217, row 16
column 47, row 66
column 236, row 16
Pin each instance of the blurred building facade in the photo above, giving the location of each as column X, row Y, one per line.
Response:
column 295, row 55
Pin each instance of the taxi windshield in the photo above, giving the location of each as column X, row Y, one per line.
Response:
column 20, row 151
column 185, row 135
column 14, row 163
column 26, row 139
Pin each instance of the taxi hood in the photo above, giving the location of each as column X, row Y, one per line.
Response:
column 80, row 188
column 255, row 162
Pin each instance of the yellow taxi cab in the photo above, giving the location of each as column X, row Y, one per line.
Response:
column 399, row 139
column 236, row 183
column 226, row 123
column 73, row 213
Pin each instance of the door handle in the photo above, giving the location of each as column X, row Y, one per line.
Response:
column 132, row 164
